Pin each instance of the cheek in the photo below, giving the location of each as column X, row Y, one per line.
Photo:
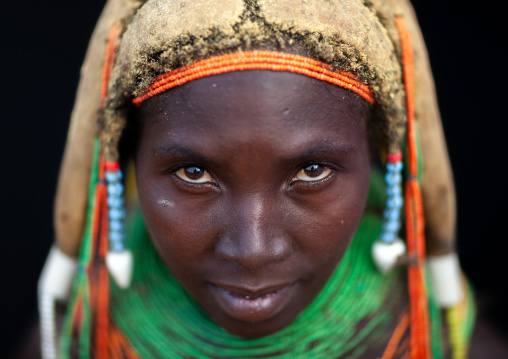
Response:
column 325, row 225
column 182, row 229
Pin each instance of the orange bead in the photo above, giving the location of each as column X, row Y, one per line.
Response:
column 255, row 60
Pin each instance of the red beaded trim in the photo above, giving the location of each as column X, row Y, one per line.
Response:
column 256, row 60
column 112, row 166
column 394, row 158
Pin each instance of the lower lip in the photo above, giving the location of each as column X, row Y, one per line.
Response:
column 252, row 310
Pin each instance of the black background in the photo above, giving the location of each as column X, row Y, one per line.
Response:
column 43, row 45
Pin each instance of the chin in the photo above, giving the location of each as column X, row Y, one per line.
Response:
column 258, row 329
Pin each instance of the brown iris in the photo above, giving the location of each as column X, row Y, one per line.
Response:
column 193, row 174
column 313, row 172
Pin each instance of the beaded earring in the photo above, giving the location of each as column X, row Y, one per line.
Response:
column 388, row 248
column 119, row 259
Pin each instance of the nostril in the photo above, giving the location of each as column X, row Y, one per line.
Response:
column 224, row 248
column 281, row 248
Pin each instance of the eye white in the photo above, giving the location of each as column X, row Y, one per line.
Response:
column 193, row 174
column 313, row 172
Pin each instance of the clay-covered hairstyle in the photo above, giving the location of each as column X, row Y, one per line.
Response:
column 158, row 36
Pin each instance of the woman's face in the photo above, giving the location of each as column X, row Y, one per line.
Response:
column 252, row 185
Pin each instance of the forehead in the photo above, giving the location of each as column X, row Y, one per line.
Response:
column 257, row 106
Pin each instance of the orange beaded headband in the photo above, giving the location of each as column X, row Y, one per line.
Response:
column 256, row 60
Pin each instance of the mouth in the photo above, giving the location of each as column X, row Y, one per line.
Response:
column 252, row 305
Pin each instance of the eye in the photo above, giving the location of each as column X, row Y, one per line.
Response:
column 314, row 172
column 193, row 174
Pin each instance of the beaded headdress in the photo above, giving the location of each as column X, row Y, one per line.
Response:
column 373, row 48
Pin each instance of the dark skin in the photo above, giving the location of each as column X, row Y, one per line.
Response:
column 252, row 185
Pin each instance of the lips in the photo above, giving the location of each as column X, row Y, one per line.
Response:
column 252, row 305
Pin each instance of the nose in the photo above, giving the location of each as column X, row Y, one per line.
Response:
column 255, row 238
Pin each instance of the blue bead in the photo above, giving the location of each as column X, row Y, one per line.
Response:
column 391, row 226
column 115, row 176
column 115, row 202
column 115, row 189
column 387, row 237
column 394, row 167
column 394, row 202
column 393, row 191
column 393, row 179
column 391, row 215
column 117, row 246
column 116, row 236
column 116, row 214
column 116, row 225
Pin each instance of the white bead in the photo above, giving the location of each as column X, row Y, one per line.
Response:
column 446, row 279
column 385, row 255
column 120, row 266
column 58, row 274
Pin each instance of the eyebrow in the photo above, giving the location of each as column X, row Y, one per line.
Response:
column 175, row 150
column 324, row 148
